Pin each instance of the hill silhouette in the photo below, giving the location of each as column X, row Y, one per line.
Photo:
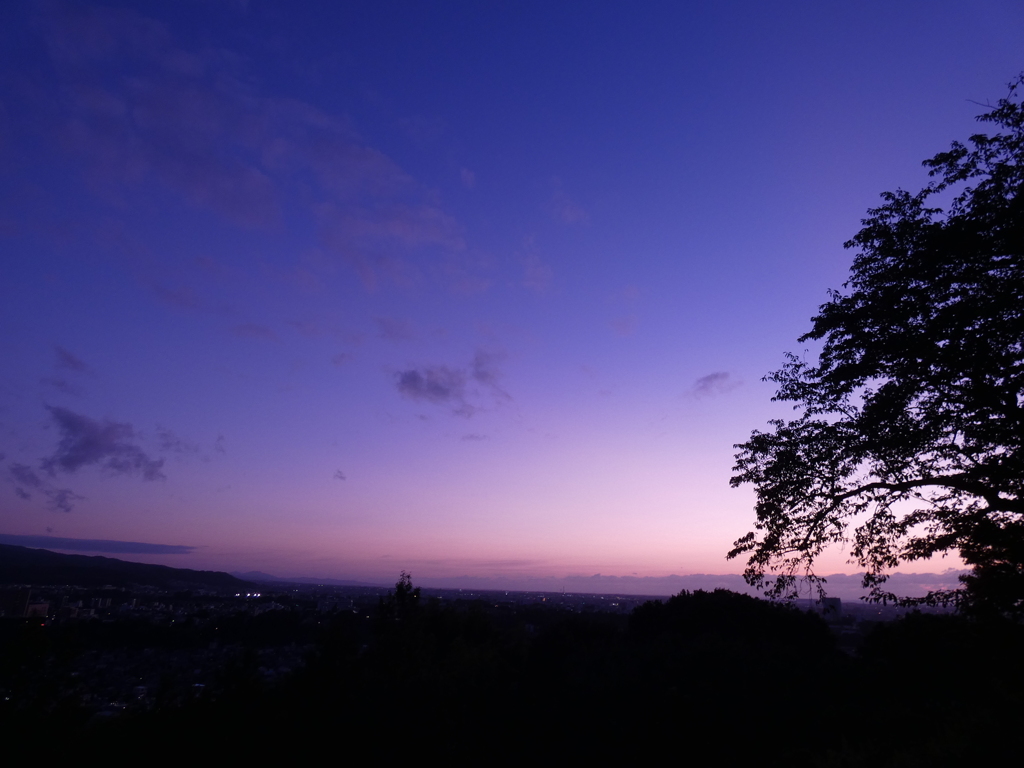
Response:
column 23, row 565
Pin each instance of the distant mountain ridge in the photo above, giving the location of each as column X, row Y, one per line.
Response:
column 260, row 577
column 22, row 565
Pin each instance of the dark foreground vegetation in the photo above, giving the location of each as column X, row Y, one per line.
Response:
column 703, row 679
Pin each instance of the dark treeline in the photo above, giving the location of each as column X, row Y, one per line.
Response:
column 708, row 678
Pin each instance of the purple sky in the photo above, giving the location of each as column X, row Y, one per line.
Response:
column 469, row 289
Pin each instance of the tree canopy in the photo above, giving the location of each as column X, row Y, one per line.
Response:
column 908, row 438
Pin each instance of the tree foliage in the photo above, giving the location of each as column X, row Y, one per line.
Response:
column 907, row 442
column 403, row 602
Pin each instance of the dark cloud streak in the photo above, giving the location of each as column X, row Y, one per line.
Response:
column 95, row 545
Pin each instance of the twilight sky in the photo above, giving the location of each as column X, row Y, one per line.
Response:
column 476, row 289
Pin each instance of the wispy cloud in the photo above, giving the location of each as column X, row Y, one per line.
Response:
column 717, row 383
column 423, row 129
column 180, row 297
column 395, row 330
column 62, row 499
column 69, row 362
column 192, row 121
column 255, row 331
column 27, row 482
column 62, row 385
column 565, row 209
column 66, row 364
column 443, row 385
column 624, row 326
column 107, row 444
column 537, row 275
column 439, row 385
column 172, row 443
column 485, row 370
column 25, row 476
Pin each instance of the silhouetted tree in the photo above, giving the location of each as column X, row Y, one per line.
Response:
column 403, row 602
column 912, row 419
